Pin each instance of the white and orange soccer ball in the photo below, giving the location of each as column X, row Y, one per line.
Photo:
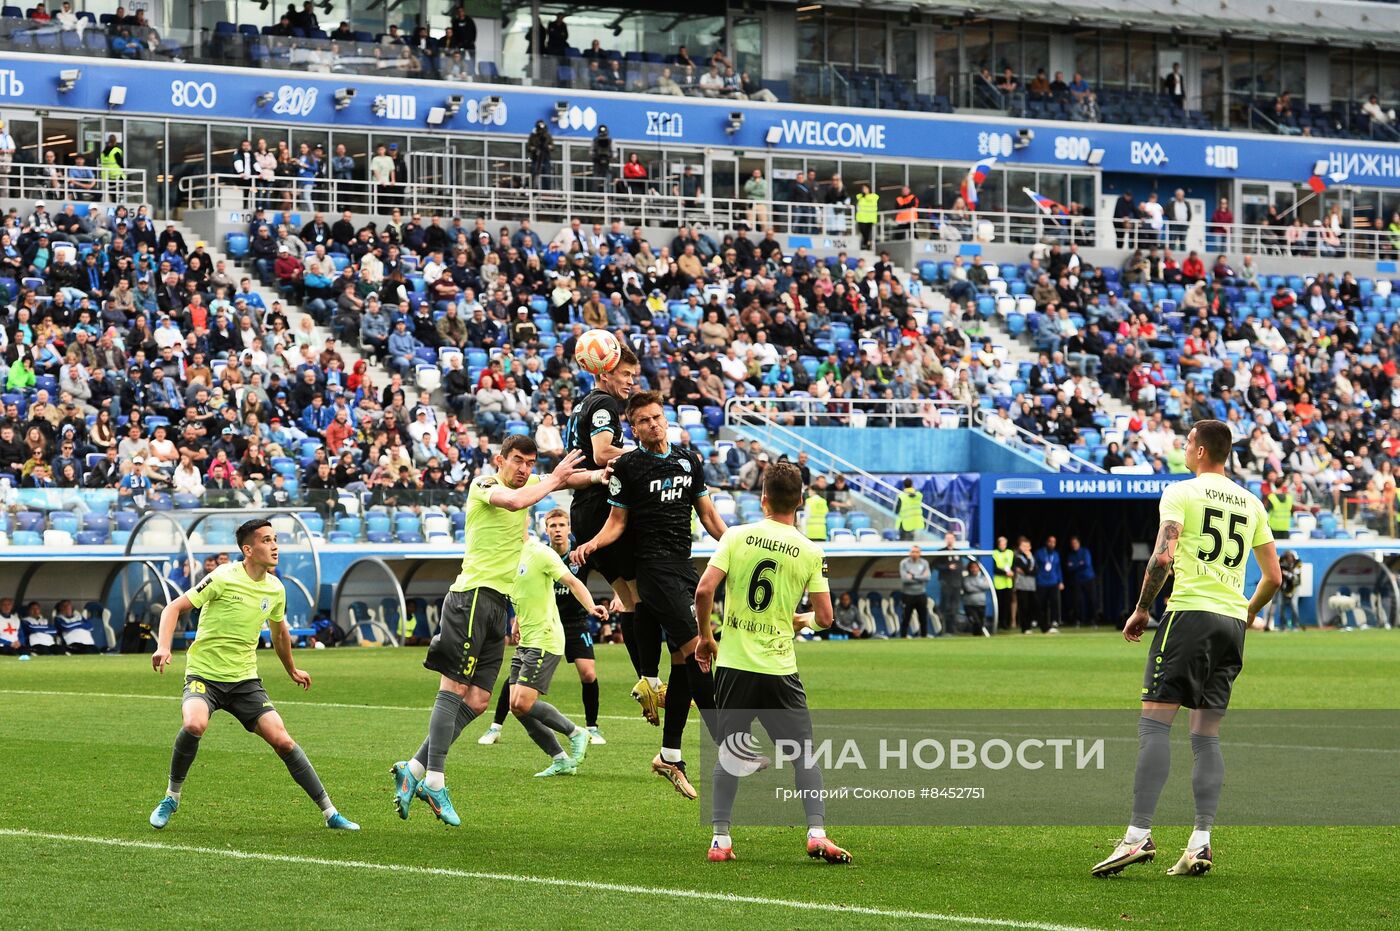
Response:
column 598, row 351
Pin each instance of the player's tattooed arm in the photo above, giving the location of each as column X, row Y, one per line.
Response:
column 1160, row 566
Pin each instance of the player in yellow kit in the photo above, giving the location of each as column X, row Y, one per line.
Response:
column 539, row 652
column 764, row 567
column 1209, row 525
column 221, row 667
column 469, row 647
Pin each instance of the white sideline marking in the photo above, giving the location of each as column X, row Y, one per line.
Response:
column 590, row 885
column 427, row 706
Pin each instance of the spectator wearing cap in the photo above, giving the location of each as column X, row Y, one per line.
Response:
column 402, row 348
column 263, row 249
column 751, row 474
column 135, row 487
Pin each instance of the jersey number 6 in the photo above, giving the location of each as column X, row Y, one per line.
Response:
column 761, row 588
column 1217, row 542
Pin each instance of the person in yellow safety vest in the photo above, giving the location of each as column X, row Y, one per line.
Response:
column 867, row 212
column 1280, row 505
column 112, row 163
column 908, row 215
column 909, row 511
column 1002, row 581
column 816, row 510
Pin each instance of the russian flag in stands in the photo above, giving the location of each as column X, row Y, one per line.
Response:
column 1054, row 208
column 975, row 176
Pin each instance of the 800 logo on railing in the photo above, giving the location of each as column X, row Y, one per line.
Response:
column 295, row 101
column 200, row 95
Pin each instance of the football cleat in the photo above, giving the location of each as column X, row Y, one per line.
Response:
column 720, row 854
column 823, row 847
column 492, row 735
column 338, row 822
column 1125, row 855
column 564, row 767
column 675, row 774
column 596, row 737
column 649, row 697
column 441, row 805
column 405, row 788
column 1193, row 862
column 578, row 747
column 161, row 816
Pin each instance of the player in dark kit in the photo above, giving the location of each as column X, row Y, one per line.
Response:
column 595, row 430
column 652, row 493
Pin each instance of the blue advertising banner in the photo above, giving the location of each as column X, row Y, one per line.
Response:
column 233, row 94
column 1080, row 486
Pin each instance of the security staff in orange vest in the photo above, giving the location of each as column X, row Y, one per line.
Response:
column 908, row 212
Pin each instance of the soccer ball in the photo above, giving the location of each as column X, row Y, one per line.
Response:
column 598, row 351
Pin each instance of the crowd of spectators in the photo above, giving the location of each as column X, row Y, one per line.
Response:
column 118, row 326
column 1302, row 369
column 134, row 361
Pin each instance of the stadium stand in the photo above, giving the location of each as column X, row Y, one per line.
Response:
column 1006, row 70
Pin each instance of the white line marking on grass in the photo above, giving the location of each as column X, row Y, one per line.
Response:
column 590, row 885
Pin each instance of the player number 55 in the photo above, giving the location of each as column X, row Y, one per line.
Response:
column 1233, row 531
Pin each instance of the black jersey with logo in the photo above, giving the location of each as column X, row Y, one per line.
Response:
column 659, row 492
column 570, row 611
column 600, row 412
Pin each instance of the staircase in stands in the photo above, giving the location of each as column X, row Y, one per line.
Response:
column 348, row 351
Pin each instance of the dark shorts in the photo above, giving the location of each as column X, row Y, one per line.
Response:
column 667, row 589
column 246, row 700
column 578, row 642
column 1194, row 660
column 533, row 668
column 611, row 562
column 779, row 703
column 471, row 640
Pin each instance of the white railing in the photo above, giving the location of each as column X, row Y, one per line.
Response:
column 802, row 411
column 1056, row 456
column 780, row 437
column 61, row 183
column 1300, row 240
column 986, row 226
column 234, row 192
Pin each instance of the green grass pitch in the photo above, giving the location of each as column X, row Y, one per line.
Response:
column 87, row 741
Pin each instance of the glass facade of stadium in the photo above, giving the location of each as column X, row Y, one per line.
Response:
column 168, row 150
